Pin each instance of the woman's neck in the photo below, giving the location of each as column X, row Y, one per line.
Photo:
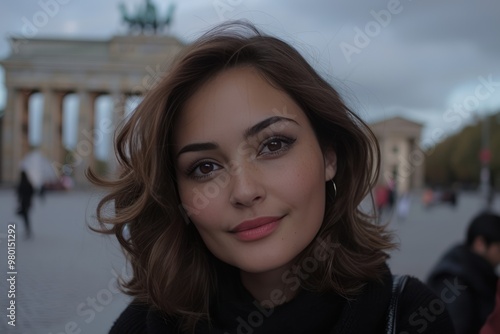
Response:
column 270, row 288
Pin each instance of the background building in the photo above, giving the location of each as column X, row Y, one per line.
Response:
column 122, row 67
column 402, row 160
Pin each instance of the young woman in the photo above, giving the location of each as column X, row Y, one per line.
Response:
column 241, row 177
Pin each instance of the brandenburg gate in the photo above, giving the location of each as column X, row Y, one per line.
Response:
column 120, row 67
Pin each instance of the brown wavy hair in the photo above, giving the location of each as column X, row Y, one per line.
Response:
column 173, row 271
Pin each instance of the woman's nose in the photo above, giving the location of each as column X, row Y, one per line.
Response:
column 247, row 188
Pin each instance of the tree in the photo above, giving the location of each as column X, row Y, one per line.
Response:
column 456, row 158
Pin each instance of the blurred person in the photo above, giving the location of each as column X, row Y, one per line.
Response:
column 241, row 176
column 403, row 206
column 490, row 198
column 453, row 197
column 39, row 171
column 391, row 194
column 381, row 198
column 468, row 272
column 449, row 196
column 428, row 197
column 25, row 193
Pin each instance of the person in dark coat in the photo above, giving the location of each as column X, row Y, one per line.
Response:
column 465, row 276
column 25, row 193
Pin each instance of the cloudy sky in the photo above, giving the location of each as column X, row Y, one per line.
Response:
column 436, row 62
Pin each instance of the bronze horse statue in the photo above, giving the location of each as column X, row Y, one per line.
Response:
column 146, row 17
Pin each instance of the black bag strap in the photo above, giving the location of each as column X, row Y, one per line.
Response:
column 398, row 284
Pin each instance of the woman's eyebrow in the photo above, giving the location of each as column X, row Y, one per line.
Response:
column 198, row 147
column 254, row 130
column 250, row 132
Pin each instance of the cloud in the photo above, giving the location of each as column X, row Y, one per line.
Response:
column 417, row 61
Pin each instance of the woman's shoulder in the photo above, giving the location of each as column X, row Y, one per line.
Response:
column 141, row 318
column 422, row 311
column 132, row 320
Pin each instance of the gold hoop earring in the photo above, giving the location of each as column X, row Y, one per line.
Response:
column 334, row 189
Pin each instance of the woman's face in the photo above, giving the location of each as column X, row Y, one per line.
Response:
column 251, row 174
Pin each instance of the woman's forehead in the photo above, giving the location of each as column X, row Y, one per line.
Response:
column 234, row 100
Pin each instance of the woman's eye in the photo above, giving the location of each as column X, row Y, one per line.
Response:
column 203, row 169
column 206, row 167
column 276, row 145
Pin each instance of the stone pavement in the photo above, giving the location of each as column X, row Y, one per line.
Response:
column 66, row 274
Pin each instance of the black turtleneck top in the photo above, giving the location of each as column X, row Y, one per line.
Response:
column 235, row 311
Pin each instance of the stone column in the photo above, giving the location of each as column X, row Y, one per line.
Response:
column 24, row 119
column 52, row 126
column 418, row 180
column 84, row 151
column 12, row 135
column 110, row 126
column 382, row 177
column 406, row 168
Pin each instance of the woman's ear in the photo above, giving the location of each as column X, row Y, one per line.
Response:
column 330, row 164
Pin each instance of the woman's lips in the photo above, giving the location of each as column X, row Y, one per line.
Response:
column 255, row 229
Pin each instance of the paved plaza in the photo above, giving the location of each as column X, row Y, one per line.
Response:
column 66, row 274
